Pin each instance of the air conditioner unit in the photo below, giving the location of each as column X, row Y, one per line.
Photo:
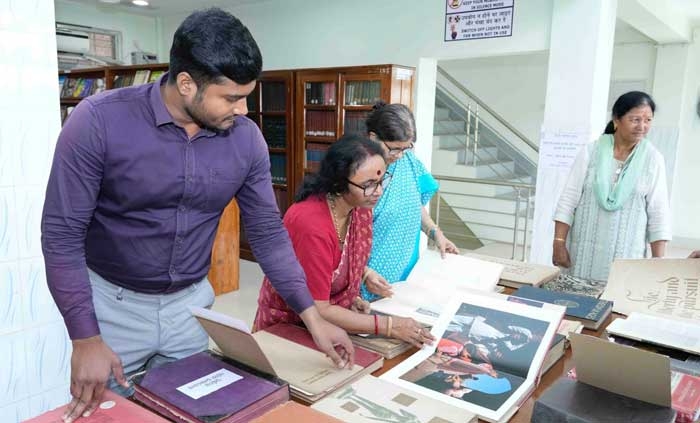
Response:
column 72, row 41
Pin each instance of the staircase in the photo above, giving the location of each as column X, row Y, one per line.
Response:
column 486, row 171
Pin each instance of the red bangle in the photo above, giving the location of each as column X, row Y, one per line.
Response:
column 376, row 325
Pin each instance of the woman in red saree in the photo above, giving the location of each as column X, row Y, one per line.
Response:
column 330, row 225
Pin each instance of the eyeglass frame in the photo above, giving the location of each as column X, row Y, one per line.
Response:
column 384, row 182
column 395, row 151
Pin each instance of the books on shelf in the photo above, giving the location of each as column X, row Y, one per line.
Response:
column 286, row 351
column 359, row 93
column 274, row 96
column 206, row 388
column 315, row 152
column 274, row 129
column 517, row 273
column 503, row 346
column 666, row 287
column 370, row 400
column 433, row 281
column 320, row 123
column 591, row 312
column 320, row 93
column 278, row 168
column 572, row 401
column 79, row 87
column 294, row 412
column 660, row 330
column 113, row 408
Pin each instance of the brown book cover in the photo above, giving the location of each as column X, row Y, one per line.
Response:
column 285, row 351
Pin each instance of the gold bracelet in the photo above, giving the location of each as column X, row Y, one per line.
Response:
column 560, row 239
column 388, row 327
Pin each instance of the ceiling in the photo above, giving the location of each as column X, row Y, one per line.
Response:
column 689, row 8
column 161, row 7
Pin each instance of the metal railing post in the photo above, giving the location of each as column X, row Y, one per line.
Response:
column 515, row 225
column 476, row 133
column 527, row 217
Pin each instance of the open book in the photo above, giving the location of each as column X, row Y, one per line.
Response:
column 665, row 331
column 285, row 351
column 487, row 360
column 433, row 281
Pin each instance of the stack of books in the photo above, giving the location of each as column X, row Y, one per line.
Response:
column 591, row 312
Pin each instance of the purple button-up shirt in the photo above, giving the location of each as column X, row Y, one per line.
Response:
column 134, row 199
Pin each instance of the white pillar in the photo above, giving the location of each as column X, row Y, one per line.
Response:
column 580, row 58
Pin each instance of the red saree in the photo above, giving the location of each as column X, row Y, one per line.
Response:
column 333, row 274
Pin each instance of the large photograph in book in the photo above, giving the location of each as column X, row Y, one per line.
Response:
column 482, row 357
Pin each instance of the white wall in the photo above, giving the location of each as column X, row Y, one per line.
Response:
column 34, row 345
column 685, row 201
column 513, row 86
column 143, row 30
column 318, row 33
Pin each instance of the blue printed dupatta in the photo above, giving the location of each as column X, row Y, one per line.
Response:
column 397, row 220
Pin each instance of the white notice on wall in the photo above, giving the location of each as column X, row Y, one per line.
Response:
column 205, row 385
column 559, row 148
column 472, row 19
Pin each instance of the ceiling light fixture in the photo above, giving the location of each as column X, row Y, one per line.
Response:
column 140, row 2
column 110, row 1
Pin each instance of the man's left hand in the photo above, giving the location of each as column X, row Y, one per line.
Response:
column 330, row 339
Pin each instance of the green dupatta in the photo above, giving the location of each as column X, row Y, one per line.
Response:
column 613, row 198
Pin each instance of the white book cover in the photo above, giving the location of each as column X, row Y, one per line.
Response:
column 670, row 332
column 487, row 360
column 658, row 286
column 433, row 281
column 371, row 400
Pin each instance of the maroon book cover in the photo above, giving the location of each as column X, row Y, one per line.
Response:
column 205, row 388
column 298, row 334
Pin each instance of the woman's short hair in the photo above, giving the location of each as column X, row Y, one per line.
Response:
column 391, row 122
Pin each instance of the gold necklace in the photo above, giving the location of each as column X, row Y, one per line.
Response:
column 331, row 203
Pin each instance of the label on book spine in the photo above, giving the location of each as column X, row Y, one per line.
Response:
column 207, row 384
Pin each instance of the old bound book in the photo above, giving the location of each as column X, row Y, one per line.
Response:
column 112, row 409
column 433, row 281
column 206, row 388
column 488, row 356
column 591, row 312
column 386, row 347
column 370, row 400
column 667, row 331
column 663, row 287
column 286, row 351
column 294, row 412
column 571, row 401
column 555, row 353
column 517, row 273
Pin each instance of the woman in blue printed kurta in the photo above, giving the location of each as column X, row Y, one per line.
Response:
column 400, row 215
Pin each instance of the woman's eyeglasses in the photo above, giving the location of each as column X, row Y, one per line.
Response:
column 395, row 151
column 370, row 188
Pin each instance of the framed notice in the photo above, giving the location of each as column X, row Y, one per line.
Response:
column 473, row 19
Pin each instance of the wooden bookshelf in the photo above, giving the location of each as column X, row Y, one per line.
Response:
column 333, row 101
column 271, row 107
column 77, row 84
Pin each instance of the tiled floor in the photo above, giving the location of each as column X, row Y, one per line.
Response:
column 242, row 304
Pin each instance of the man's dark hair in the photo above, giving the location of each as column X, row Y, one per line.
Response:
column 211, row 44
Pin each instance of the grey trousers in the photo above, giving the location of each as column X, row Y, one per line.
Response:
column 148, row 330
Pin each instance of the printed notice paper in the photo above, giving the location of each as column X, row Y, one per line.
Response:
column 205, row 385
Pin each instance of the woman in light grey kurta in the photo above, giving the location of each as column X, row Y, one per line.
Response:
column 615, row 200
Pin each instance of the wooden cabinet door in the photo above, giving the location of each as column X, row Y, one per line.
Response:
column 224, row 270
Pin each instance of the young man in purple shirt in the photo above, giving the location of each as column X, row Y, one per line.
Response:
column 139, row 180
